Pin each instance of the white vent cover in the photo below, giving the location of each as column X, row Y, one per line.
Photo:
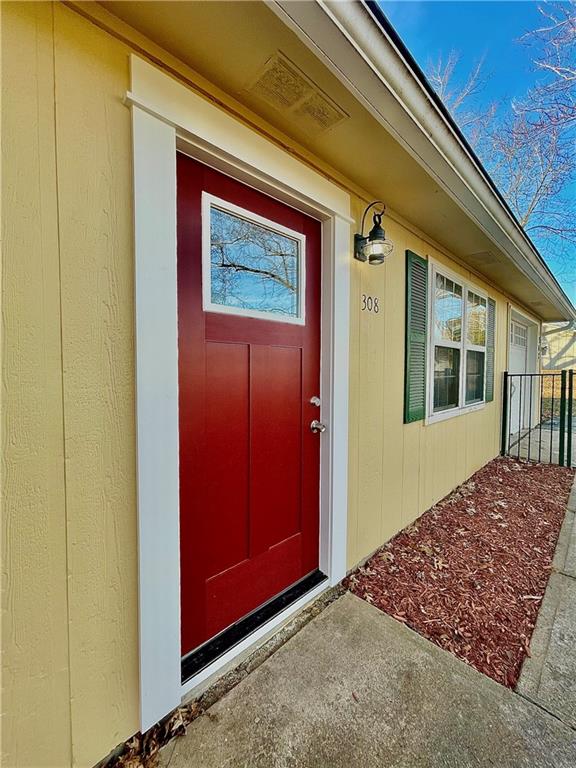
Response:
column 285, row 87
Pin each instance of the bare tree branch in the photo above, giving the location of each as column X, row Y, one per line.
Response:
column 459, row 96
column 529, row 148
column 552, row 102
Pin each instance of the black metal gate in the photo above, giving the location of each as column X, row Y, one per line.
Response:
column 538, row 416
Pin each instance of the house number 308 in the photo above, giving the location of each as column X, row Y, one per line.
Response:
column 370, row 303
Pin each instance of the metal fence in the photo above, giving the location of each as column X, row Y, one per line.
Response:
column 538, row 416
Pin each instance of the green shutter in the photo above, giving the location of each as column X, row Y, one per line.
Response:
column 490, row 337
column 416, row 337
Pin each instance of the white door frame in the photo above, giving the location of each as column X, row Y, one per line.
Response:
column 533, row 326
column 167, row 116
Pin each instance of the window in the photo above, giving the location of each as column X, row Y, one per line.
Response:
column 446, row 378
column 251, row 266
column 474, row 377
column 518, row 334
column 447, row 305
column 476, row 347
column 458, row 344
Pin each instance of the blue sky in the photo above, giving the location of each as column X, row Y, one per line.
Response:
column 489, row 29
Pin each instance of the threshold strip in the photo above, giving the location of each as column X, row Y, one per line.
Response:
column 200, row 658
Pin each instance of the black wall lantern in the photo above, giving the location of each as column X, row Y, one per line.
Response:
column 373, row 247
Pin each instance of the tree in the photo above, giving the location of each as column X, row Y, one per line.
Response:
column 528, row 146
column 459, row 95
column 251, row 266
column 551, row 104
column 534, row 172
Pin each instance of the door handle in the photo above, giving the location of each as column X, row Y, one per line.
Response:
column 317, row 426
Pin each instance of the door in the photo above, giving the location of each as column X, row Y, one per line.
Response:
column 249, row 274
column 519, row 388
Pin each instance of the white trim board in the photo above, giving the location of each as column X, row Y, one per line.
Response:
column 156, row 411
column 168, row 116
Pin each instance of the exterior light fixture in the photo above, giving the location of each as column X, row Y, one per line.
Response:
column 373, row 247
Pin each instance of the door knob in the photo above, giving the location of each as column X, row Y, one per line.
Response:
column 317, row 426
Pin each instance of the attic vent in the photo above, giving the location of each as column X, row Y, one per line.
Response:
column 285, row 87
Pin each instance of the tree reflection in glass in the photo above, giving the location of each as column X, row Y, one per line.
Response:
column 448, row 309
column 476, row 319
column 252, row 267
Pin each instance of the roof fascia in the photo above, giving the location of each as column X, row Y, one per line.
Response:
column 376, row 67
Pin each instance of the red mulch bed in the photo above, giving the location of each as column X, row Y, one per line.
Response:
column 470, row 573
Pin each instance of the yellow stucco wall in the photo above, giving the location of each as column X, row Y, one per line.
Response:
column 69, row 536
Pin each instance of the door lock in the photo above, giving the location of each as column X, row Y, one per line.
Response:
column 317, row 426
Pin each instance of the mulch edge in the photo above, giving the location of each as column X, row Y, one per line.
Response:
column 547, row 572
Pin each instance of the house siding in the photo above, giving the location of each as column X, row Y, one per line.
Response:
column 397, row 471
column 35, row 675
column 70, row 633
column 561, row 347
column 70, row 529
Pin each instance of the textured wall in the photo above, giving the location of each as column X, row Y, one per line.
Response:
column 70, row 548
column 71, row 653
column 561, row 347
column 398, row 471
column 35, row 700
column 93, row 132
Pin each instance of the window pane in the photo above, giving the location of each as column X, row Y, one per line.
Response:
column 476, row 320
column 446, row 377
column 519, row 335
column 448, row 309
column 474, row 377
column 252, row 267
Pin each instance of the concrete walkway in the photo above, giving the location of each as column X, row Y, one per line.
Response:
column 540, row 444
column 549, row 675
column 356, row 689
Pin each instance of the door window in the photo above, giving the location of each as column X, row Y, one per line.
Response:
column 251, row 266
column 518, row 334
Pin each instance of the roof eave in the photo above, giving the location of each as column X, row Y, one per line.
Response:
column 370, row 59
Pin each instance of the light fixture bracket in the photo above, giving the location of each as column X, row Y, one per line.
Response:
column 359, row 243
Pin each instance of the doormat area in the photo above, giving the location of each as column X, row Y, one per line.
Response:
column 142, row 750
column 471, row 572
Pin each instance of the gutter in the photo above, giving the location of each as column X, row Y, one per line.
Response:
column 360, row 47
column 382, row 21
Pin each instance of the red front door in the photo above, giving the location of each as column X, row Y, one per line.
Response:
column 249, row 364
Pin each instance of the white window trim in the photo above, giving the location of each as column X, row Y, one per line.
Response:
column 167, row 116
column 436, row 267
column 208, row 201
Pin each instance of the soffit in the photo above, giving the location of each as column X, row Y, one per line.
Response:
column 230, row 43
